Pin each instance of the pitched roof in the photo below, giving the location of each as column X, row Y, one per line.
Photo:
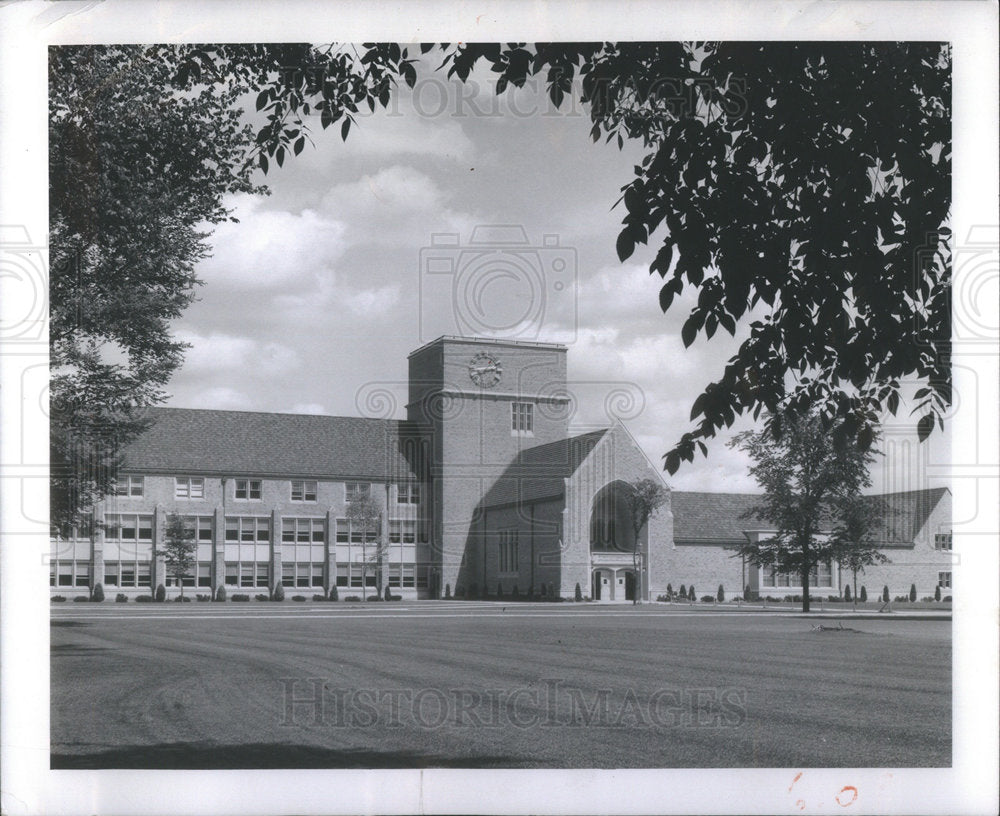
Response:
column 187, row 440
column 719, row 517
column 538, row 472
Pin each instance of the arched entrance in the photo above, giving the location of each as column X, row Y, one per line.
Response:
column 612, row 545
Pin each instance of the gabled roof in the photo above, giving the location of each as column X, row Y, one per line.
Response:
column 538, row 472
column 194, row 441
column 719, row 517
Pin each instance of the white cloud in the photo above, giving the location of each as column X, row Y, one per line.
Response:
column 307, row 408
column 373, row 302
column 217, row 352
column 221, row 398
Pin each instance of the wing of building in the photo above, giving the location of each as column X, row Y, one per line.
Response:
column 483, row 490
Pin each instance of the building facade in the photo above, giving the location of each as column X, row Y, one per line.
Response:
column 483, row 490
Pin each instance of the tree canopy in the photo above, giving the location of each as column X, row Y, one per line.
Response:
column 809, row 475
column 806, row 185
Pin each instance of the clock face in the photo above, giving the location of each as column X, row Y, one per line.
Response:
column 485, row 370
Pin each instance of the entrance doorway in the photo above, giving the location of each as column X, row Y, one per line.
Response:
column 603, row 586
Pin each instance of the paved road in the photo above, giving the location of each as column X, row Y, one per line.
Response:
column 488, row 685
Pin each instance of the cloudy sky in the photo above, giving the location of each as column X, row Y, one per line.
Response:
column 312, row 302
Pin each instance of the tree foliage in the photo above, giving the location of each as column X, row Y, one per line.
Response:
column 642, row 498
column 859, row 520
column 807, row 474
column 366, row 512
column 178, row 549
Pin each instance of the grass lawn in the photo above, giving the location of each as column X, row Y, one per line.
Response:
column 470, row 685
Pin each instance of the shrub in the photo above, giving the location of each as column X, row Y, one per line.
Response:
column 161, row 593
column 57, row 599
column 946, row 599
column 300, row 597
column 447, row 590
column 913, row 592
column 499, row 590
column 98, row 594
column 395, row 598
column 318, row 598
column 577, row 593
column 927, row 598
column 388, row 594
column 747, row 593
column 847, row 592
column 515, row 592
column 670, row 592
column 260, row 596
column 937, row 593
column 459, row 591
column 334, row 595
column 683, row 591
column 901, row 599
column 121, row 597
column 662, row 598
column 720, row 594
column 691, row 595
column 863, row 594
column 220, row 593
column 182, row 599
column 239, row 598
column 885, row 594
column 707, row 598
column 144, row 599
column 353, row 598
column 279, row 593
column 373, row 598
column 203, row 598
column 81, row 599
column 834, row 598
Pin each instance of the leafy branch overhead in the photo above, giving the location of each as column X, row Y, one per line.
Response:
column 805, row 186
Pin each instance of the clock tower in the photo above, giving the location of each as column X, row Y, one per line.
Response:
column 483, row 402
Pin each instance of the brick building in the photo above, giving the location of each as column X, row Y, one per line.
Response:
column 483, row 489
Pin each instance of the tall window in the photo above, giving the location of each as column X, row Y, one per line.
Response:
column 70, row 564
column 128, row 543
column 302, row 551
column 189, row 487
column 248, row 551
column 355, row 532
column 944, row 580
column 408, row 492
column 521, row 418
column 248, row 489
column 130, row 486
column 304, row 491
column 942, row 541
column 402, row 531
column 202, row 529
column 248, row 528
column 357, row 490
column 507, row 551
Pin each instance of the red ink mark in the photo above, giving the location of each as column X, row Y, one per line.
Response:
column 801, row 804
column 798, row 776
column 854, row 795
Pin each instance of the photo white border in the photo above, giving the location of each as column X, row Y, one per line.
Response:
column 29, row 787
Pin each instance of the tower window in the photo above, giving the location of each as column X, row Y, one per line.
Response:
column 522, row 419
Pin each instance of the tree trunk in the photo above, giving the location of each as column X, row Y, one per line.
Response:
column 854, row 598
column 805, row 587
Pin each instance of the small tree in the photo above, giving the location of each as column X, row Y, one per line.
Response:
column 643, row 498
column 847, row 593
column 179, row 549
column 161, row 593
column 577, row 593
column 859, row 518
column 937, row 592
column 334, row 595
column 913, row 592
column 691, row 595
column 670, row 591
column 864, row 594
column 885, row 594
column 98, row 593
column 366, row 512
column 683, row 591
column 388, row 593
column 220, row 593
column 720, row 595
column 278, row 593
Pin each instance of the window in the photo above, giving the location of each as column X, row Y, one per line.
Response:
column 820, row 576
column 402, row 531
column 129, row 486
column 189, row 487
column 303, row 530
column 521, row 418
column 247, row 575
column 508, row 551
column 944, row 580
column 357, row 490
column 248, row 528
column 248, row 489
column 303, row 490
column 201, row 526
column 342, row 574
column 204, row 573
column 354, row 531
column 128, row 527
column 66, row 572
column 942, row 541
column 302, row 574
column 408, row 493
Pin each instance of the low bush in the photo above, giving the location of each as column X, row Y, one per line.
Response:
column 708, row 599
column 663, row 598
column 834, row 599
column 203, row 598
column 927, row 598
column 182, row 599
column 81, row 599
column 388, row 593
column 374, row 598
column 946, row 599
column 220, row 594
column 57, row 599
column 161, row 593
column 302, row 597
column 144, row 599
column 121, row 597
column 98, row 594
column 239, row 598
column 352, row 599
column 334, row 595
column 279, row 593
column 394, row 598
column 515, row 593
column 901, row 599
column 260, row 596
column 319, row 598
